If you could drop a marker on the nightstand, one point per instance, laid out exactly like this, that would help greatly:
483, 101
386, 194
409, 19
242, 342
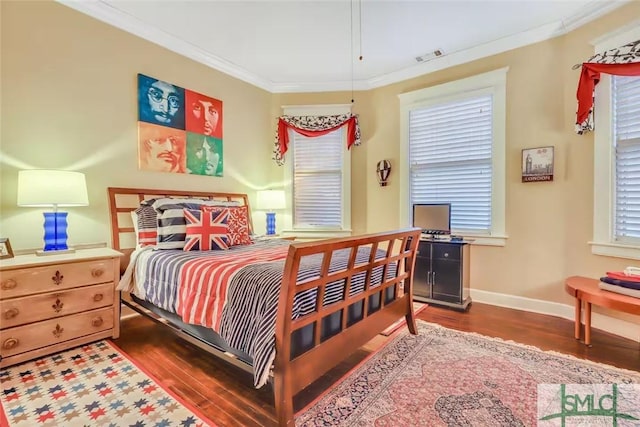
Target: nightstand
55, 302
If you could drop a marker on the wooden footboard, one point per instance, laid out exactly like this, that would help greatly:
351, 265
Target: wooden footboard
293, 373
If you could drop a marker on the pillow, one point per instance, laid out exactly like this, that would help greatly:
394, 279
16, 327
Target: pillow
206, 230
238, 224
146, 233
168, 217
169, 203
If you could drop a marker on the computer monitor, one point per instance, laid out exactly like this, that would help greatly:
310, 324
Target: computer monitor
433, 218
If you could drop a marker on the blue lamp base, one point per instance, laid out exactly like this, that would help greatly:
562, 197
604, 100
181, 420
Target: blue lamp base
271, 223
55, 233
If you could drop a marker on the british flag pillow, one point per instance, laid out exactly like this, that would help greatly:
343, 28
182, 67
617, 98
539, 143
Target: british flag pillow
206, 231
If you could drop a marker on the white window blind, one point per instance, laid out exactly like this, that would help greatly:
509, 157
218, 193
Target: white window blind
450, 155
317, 180
626, 135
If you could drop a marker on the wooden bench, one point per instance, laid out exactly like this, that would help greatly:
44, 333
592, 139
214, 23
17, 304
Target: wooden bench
586, 289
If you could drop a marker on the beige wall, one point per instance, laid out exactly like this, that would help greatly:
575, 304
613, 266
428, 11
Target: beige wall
68, 101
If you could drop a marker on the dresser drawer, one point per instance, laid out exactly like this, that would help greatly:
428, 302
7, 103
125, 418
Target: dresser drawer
32, 280
49, 332
18, 311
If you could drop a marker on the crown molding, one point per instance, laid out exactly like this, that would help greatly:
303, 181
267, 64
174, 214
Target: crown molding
117, 18
589, 13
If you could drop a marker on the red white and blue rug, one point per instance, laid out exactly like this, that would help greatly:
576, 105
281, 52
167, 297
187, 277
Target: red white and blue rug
92, 385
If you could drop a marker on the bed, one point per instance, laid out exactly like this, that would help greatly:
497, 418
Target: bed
316, 302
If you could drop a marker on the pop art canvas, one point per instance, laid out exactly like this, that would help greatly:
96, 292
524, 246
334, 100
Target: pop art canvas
179, 130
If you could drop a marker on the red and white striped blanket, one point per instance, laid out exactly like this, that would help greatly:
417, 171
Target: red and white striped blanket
204, 284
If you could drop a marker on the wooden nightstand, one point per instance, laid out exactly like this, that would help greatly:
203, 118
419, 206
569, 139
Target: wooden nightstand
55, 302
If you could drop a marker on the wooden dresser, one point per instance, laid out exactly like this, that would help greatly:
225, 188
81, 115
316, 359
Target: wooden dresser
55, 302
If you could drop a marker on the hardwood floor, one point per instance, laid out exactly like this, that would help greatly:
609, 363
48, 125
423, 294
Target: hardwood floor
225, 393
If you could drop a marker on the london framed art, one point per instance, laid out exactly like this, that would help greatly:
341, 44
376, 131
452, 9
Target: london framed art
537, 164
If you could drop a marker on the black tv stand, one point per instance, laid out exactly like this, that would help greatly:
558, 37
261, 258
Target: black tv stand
441, 275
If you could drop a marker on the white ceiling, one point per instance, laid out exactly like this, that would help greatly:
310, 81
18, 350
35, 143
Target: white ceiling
313, 45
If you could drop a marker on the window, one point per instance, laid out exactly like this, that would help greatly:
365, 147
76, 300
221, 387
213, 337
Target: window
626, 138
318, 176
453, 147
616, 216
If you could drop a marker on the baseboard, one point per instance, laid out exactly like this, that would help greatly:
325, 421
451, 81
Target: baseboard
609, 324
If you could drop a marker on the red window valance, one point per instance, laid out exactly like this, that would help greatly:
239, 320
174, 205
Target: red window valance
313, 126
622, 61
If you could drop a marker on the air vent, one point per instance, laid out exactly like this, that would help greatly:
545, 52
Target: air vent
429, 56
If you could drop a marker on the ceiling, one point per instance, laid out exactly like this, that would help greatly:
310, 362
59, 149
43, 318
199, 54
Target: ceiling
314, 45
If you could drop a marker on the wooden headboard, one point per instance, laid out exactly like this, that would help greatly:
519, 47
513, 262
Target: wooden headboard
124, 200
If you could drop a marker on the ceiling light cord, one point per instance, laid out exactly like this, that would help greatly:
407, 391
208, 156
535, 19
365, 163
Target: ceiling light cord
351, 52
351, 56
360, 27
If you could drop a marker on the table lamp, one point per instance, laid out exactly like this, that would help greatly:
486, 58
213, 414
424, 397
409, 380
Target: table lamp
270, 200
52, 188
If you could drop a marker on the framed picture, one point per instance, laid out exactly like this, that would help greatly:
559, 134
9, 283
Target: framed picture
179, 130
5, 249
537, 164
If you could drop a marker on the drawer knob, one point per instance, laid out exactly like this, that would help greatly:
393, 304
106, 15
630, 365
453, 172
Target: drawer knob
97, 272
97, 321
9, 284
11, 313
10, 343
58, 305
58, 331
57, 278
98, 297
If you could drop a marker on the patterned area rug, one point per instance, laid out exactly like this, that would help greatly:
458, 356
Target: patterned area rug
443, 377
417, 308
92, 385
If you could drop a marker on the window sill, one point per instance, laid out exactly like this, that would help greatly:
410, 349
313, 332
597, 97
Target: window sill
316, 234
486, 240
616, 250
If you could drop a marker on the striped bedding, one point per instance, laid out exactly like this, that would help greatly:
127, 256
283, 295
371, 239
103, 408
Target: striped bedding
234, 292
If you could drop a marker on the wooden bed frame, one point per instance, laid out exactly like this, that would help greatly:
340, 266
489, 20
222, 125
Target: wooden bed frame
292, 374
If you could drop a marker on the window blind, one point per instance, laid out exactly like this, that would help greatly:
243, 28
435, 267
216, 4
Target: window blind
450, 155
626, 133
317, 180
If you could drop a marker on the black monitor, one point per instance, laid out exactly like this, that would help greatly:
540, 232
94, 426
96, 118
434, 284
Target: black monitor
433, 218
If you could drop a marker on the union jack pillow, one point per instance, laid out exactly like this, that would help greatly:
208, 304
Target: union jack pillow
206, 231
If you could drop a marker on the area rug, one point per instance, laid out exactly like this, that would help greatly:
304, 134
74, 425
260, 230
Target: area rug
443, 377
417, 308
92, 385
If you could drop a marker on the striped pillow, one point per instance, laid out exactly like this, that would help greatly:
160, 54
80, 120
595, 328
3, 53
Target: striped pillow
206, 230
238, 224
170, 203
147, 224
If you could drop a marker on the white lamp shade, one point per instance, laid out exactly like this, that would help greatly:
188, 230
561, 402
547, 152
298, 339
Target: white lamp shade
270, 200
51, 188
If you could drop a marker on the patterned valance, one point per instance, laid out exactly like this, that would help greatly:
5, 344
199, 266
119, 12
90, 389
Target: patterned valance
312, 126
621, 61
